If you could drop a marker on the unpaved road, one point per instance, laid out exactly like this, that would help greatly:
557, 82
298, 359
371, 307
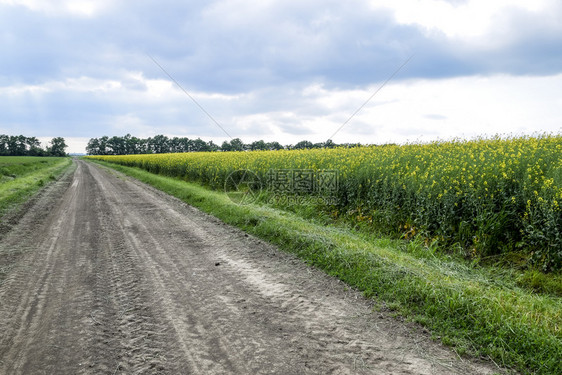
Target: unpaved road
104, 275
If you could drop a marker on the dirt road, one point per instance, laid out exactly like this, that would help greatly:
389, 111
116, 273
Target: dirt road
104, 275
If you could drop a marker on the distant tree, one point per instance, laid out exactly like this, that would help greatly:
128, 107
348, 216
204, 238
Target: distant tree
57, 147
199, 145
330, 144
351, 145
185, 145
12, 145
117, 146
212, 146
143, 146
159, 144
226, 146
131, 145
303, 145
178, 144
34, 147
4, 149
258, 145
237, 145
33, 142
135, 146
103, 145
162, 144
17, 145
274, 146
93, 147
20, 145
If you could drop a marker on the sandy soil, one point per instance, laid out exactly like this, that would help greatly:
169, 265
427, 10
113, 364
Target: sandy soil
104, 275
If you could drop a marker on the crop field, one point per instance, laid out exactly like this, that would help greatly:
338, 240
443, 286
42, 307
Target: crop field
20, 176
508, 314
127, 279
490, 197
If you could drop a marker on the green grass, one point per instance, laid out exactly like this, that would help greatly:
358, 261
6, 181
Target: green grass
476, 310
23, 176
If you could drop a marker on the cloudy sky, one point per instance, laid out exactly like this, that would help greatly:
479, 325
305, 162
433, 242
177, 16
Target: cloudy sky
280, 70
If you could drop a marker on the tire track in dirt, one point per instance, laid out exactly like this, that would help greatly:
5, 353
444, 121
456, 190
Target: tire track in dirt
124, 331
118, 278
45, 277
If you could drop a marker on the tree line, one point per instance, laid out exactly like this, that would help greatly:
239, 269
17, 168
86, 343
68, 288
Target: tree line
161, 144
20, 145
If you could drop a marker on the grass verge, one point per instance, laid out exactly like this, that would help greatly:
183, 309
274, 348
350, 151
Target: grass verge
471, 309
25, 179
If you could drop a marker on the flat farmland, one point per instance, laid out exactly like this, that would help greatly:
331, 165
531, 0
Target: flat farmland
106, 275
462, 237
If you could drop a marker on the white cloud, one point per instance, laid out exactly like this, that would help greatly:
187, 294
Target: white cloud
82, 8
467, 107
471, 19
415, 110
76, 85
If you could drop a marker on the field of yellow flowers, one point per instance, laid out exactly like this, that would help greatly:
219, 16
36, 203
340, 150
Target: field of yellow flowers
490, 197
